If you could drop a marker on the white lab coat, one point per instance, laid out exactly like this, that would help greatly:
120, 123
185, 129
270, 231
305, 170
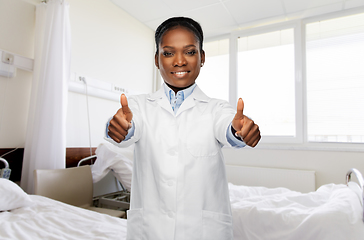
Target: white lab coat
179, 187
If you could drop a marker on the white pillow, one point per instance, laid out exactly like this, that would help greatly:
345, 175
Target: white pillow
12, 196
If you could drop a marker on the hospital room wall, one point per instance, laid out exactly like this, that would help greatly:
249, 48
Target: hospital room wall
107, 44
16, 36
113, 47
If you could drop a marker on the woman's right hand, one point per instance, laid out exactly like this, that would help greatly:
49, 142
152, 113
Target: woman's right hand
121, 121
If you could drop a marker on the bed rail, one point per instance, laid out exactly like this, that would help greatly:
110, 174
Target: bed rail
85, 159
95, 156
5, 162
360, 178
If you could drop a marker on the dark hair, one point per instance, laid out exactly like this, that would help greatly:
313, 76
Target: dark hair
175, 22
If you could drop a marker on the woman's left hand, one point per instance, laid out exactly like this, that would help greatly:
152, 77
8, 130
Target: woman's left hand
245, 128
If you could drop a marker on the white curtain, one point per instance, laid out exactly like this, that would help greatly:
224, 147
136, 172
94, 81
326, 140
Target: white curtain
45, 144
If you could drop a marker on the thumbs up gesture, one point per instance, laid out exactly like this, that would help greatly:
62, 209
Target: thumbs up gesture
245, 128
120, 123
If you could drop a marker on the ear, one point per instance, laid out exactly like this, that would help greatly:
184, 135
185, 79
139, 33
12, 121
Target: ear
202, 56
156, 61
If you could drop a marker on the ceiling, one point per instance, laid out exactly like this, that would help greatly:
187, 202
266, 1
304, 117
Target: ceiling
219, 17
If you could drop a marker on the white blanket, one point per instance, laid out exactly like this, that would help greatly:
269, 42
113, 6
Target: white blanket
49, 219
119, 160
333, 212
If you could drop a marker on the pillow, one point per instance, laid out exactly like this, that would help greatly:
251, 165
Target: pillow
12, 196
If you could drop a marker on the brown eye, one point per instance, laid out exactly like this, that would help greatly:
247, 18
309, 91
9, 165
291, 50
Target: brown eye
167, 54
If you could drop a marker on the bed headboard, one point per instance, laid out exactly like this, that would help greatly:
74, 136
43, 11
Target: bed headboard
296, 180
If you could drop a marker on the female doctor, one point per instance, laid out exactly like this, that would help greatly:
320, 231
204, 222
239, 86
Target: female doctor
179, 187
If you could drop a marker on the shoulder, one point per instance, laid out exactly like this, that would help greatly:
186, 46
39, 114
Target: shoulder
200, 96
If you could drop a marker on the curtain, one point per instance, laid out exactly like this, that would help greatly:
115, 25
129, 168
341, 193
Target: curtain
45, 143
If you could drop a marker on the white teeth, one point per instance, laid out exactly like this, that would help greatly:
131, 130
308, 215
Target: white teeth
180, 73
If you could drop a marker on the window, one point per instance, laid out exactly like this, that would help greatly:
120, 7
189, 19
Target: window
266, 80
335, 80
302, 81
214, 75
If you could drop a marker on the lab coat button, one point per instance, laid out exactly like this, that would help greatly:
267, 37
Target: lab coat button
170, 214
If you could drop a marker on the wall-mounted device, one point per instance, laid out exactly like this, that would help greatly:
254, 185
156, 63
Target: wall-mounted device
10, 62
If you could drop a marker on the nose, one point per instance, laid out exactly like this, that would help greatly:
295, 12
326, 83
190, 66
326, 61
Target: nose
179, 60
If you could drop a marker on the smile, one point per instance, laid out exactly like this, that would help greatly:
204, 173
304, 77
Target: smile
180, 74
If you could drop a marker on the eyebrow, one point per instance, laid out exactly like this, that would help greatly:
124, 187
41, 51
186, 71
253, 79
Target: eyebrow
191, 45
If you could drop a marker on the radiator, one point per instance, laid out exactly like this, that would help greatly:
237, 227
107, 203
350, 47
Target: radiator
296, 180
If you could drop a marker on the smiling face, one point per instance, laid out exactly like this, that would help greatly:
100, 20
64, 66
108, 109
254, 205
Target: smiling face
179, 58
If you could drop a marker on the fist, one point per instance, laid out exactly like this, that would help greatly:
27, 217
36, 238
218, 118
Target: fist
120, 123
245, 128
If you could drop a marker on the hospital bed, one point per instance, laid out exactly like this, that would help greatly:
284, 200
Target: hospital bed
119, 164
333, 211
24, 216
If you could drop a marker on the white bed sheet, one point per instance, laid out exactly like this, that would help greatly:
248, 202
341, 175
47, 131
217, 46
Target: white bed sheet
50, 219
331, 212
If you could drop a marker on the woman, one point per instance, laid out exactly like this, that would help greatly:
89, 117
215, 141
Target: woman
179, 186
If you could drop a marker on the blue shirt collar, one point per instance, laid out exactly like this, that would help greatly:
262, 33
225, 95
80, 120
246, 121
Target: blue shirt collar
183, 93
176, 99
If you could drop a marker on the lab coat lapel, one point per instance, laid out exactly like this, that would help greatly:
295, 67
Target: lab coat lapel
197, 98
161, 98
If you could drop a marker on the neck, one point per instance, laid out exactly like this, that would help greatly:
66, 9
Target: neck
176, 89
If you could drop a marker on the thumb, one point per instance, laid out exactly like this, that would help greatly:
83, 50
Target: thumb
126, 110
239, 110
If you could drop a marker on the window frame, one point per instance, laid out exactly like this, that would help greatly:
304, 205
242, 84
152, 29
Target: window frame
233, 88
338, 146
300, 141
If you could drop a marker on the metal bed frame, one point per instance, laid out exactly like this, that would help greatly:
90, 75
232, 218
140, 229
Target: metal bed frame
360, 179
119, 200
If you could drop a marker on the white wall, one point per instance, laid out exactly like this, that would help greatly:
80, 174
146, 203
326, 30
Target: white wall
107, 44
16, 36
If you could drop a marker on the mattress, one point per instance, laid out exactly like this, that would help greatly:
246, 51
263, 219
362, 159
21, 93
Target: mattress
49, 219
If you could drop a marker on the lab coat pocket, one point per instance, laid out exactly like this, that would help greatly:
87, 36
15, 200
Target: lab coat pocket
135, 224
216, 226
201, 141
